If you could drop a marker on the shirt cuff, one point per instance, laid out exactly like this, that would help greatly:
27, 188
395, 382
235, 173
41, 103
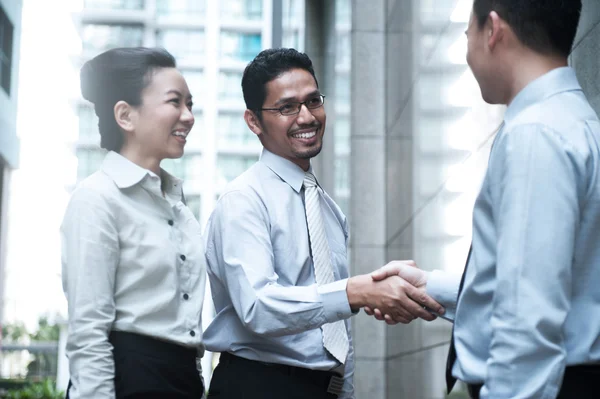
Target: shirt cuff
443, 287
335, 300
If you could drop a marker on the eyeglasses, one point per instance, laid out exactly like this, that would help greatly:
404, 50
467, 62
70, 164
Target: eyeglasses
293, 108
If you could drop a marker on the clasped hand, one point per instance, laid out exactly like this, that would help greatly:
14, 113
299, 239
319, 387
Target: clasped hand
401, 294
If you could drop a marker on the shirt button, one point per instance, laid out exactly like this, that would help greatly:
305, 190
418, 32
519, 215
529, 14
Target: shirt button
186, 296
170, 222
193, 333
182, 257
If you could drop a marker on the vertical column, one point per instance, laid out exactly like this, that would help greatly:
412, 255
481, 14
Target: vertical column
320, 41
382, 185
584, 56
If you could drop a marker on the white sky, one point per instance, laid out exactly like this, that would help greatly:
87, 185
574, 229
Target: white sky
48, 81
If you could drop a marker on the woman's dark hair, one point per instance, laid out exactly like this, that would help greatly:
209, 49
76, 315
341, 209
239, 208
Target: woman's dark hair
119, 74
268, 65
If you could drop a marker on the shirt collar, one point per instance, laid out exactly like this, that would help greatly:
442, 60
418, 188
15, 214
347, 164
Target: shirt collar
556, 81
288, 171
127, 174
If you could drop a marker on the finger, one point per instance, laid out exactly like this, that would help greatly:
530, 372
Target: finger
414, 306
368, 311
391, 322
411, 263
378, 314
403, 320
384, 272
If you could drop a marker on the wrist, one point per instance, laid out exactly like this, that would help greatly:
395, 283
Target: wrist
357, 290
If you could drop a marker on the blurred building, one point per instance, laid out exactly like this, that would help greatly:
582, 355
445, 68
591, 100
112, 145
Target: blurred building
10, 34
212, 42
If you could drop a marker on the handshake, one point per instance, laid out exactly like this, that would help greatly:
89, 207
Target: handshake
395, 293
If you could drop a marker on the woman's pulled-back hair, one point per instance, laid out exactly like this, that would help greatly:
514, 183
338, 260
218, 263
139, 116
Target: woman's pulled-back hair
119, 74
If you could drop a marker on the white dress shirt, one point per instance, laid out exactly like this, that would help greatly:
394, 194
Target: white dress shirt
530, 304
268, 306
132, 260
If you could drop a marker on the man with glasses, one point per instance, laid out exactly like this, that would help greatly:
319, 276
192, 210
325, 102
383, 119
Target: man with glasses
276, 254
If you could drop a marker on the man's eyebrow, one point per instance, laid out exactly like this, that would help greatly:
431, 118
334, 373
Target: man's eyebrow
294, 99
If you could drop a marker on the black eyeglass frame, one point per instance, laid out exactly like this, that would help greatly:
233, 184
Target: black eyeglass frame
299, 104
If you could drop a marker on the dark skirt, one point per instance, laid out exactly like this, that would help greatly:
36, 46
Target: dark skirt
149, 368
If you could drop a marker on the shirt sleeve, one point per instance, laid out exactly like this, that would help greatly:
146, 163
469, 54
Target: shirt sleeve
90, 254
240, 255
534, 190
443, 287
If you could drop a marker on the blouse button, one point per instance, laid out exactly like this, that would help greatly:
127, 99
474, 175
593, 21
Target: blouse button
193, 333
186, 296
170, 222
182, 257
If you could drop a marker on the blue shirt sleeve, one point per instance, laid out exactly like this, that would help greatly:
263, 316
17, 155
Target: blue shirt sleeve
239, 253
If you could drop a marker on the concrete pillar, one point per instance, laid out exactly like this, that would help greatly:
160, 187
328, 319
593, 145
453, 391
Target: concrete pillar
382, 185
320, 43
584, 57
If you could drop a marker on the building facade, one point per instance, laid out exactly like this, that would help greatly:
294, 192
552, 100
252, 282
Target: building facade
10, 34
212, 43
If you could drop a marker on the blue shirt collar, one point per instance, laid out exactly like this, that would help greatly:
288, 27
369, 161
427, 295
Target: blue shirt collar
127, 174
556, 81
288, 171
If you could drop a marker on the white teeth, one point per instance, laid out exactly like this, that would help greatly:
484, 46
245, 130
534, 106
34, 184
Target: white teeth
305, 135
180, 134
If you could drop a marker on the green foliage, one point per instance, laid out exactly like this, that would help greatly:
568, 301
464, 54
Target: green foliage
46, 331
41, 390
14, 332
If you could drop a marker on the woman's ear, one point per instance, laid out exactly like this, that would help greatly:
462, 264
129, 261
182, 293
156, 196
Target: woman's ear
124, 116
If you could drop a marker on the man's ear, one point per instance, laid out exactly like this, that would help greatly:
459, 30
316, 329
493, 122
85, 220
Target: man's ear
253, 122
124, 116
495, 30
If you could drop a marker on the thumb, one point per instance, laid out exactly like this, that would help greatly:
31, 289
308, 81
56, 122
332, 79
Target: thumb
385, 272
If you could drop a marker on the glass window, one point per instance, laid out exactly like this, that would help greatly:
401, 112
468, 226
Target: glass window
99, 38
342, 177
187, 168
6, 45
115, 4
89, 161
240, 46
242, 9
342, 56
230, 85
182, 43
231, 166
180, 7
88, 124
342, 134
195, 81
233, 131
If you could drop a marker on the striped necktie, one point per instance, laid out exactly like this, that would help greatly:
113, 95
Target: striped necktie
335, 336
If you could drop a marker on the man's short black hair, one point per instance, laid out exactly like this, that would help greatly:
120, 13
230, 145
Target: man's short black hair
545, 26
267, 66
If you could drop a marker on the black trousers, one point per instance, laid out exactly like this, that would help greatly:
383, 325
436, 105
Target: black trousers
579, 382
147, 368
239, 378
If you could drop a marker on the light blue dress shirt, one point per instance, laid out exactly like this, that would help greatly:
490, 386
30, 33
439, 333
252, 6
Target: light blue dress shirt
268, 306
530, 305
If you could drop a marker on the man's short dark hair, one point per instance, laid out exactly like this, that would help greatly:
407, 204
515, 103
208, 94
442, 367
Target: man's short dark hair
267, 66
545, 26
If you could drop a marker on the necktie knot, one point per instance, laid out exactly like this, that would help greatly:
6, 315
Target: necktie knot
309, 180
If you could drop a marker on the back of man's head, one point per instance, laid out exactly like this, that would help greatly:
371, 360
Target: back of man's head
267, 66
547, 27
